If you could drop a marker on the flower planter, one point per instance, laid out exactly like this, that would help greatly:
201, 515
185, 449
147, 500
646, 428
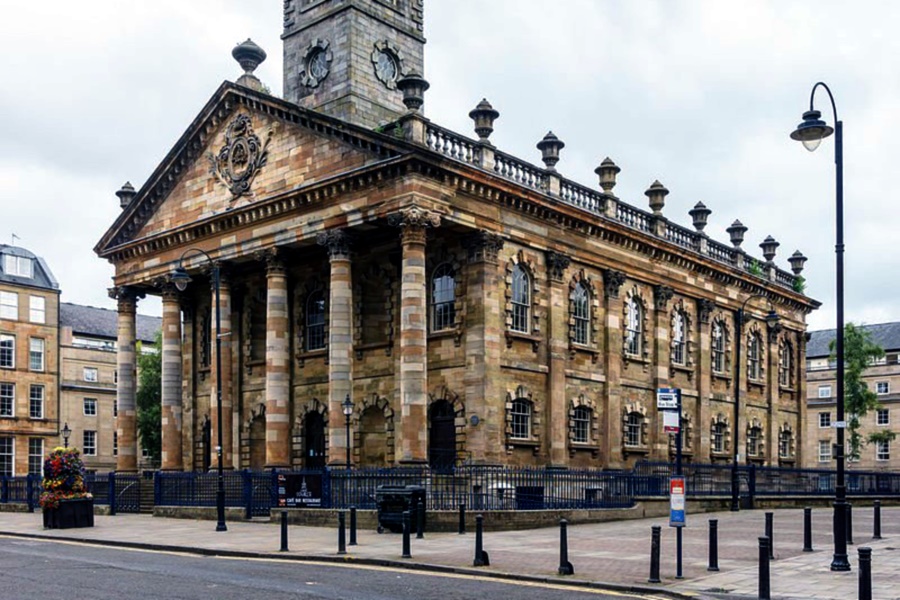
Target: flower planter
70, 514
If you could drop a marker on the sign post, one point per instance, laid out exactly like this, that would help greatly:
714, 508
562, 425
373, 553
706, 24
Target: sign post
668, 402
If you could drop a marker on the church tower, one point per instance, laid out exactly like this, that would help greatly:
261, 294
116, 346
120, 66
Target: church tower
344, 57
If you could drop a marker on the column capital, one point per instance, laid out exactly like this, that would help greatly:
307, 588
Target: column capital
337, 242
705, 307
661, 296
557, 264
126, 296
484, 246
274, 259
414, 222
612, 281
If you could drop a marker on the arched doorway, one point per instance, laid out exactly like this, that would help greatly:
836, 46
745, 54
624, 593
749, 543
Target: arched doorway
257, 442
314, 441
442, 435
372, 438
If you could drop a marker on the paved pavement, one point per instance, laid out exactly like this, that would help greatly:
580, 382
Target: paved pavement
614, 553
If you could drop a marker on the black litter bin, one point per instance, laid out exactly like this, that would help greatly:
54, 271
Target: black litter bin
391, 502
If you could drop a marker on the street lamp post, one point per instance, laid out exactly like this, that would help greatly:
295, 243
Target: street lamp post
772, 319
347, 407
66, 432
181, 279
811, 132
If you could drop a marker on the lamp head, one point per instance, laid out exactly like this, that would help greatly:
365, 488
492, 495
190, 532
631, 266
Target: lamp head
180, 278
812, 130
772, 318
347, 406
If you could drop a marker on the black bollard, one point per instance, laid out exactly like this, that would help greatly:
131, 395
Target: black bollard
764, 592
654, 553
342, 533
420, 520
865, 573
565, 567
849, 513
481, 555
807, 529
713, 545
877, 523
406, 525
462, 519
284, 541
769, 534
352, 525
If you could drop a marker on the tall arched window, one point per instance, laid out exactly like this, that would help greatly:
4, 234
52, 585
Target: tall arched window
785, 442
521, 300
784, 365
581, 313
633, 333
520, 419
754, 344
718, 437
633, 425
443, 298
678, 337
581, 424
315, 321
718, 347
754, 437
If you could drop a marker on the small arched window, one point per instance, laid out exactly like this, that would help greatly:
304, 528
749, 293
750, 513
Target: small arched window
581, 313
521, 300
718, 437
581, 424
443, 298
633, 425
633, 332
754, 437
754, 368
520, 419
678, 336
784, 365
315, 321
718, 347
785, 441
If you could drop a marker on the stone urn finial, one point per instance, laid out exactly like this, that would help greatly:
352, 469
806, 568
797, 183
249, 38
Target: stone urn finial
797, 261
550, 147
413, 87
126, 194
657, 193
700, 215
607, 172
737, 231
249, 56
484, 116
769, 246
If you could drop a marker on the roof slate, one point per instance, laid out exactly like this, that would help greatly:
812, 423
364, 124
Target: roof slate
103, 322
886, 335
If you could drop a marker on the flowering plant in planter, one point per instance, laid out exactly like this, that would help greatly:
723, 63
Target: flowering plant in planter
63, 478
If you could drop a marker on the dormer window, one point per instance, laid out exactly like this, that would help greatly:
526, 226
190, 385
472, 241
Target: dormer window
20, 266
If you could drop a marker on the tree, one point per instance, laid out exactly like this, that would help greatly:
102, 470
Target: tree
859, 352
149, 399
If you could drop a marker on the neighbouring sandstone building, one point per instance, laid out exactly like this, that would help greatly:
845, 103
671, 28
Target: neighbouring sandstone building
469, 306
883, 378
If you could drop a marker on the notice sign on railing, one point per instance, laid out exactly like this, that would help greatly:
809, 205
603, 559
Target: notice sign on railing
299, 490
676, 502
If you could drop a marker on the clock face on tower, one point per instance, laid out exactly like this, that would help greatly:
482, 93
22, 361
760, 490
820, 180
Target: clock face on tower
316, 63
387, 63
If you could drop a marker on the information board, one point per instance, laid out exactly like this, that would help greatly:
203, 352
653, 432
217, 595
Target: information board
299, 490
676, 502
667, 399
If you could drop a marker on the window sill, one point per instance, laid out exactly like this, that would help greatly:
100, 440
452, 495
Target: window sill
363, 348
575, 348
722, 376
787, 388
575, 447
761, 383
635, 450
454, 333
313, 353
528, 337
535, 445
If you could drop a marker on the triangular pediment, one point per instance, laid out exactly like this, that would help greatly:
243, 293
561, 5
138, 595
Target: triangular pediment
243, 147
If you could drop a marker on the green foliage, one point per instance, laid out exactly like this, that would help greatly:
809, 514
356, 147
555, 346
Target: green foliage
799, 284
859, 352
754, 268
149, 400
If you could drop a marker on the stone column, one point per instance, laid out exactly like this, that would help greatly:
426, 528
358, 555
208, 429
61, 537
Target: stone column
558, 421
224, 378
484, 346
188, 385
662, 351
413, 434
278, 414
171, 403
340, 340
126, 359
704, 381
612, 451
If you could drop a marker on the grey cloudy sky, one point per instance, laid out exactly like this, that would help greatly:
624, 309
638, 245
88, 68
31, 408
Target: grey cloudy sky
698, 94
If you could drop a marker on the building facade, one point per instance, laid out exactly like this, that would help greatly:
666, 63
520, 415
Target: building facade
883, 378
29, 361
470, 306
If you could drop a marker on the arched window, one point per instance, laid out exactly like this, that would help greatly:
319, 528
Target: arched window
678, 336
633, 425
633, 335
443, 298
718, 347
754, 437
521, 300
315, 321
754, 370
784, 365
582, 314
785, 441
520, 419
718, 437
581, 424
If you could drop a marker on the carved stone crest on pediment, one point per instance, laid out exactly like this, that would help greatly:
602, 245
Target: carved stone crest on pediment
242, 156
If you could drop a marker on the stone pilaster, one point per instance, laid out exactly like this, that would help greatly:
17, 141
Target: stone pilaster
800, 426
278, 414
662, 294
613, 349
557, 423
704, 381
126, 359
222, 336
484, 332
772, 425
172, 364
340, 340
414, 222
739, 424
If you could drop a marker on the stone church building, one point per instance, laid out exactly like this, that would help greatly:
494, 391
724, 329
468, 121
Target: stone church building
472, 306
